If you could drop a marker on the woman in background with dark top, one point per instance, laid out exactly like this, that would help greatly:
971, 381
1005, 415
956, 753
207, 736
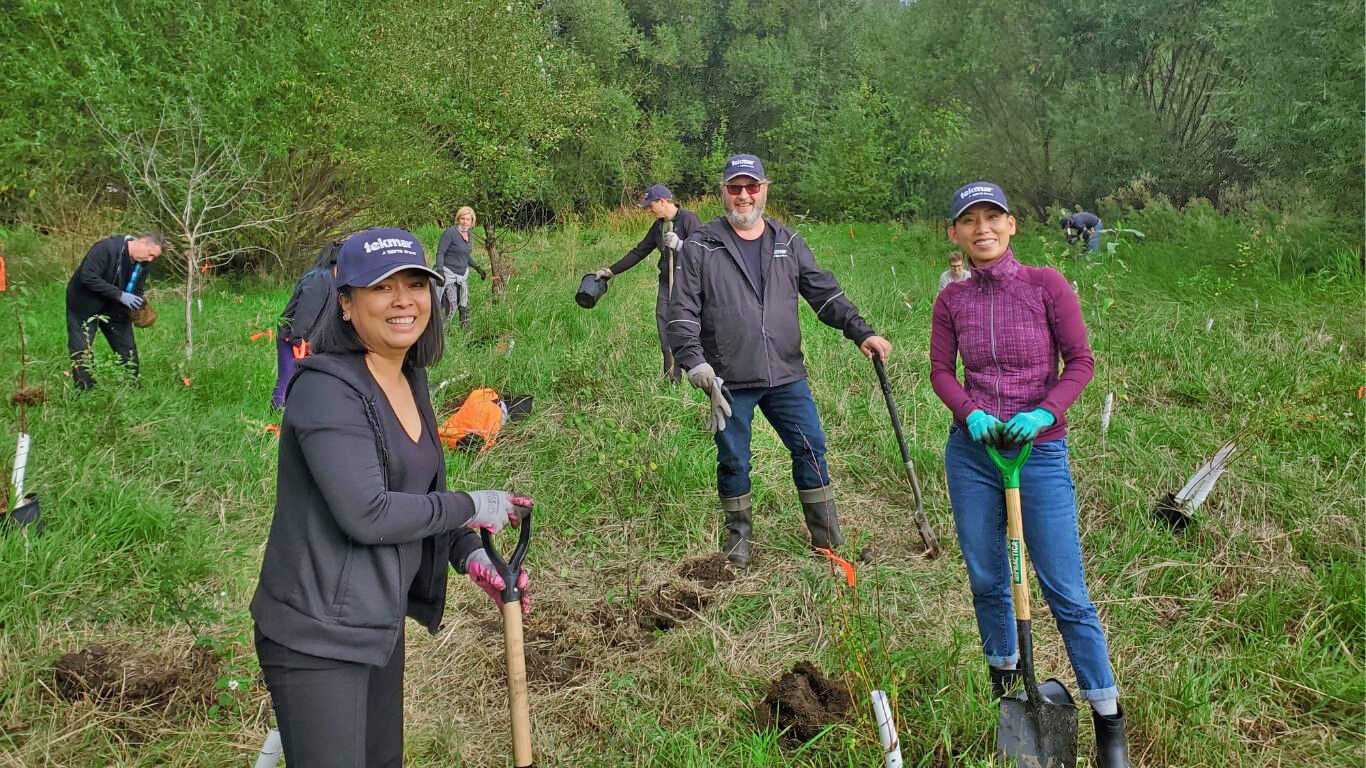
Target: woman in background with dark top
364, 526
453, 263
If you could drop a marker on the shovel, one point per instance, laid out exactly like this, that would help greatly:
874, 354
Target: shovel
512, 640
926, 532
1037, 727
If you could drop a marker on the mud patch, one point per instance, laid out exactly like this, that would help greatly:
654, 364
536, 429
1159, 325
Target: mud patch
711, 571
801, 704
107, 674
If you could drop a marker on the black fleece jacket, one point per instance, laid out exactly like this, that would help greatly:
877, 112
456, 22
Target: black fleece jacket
95, 287
330, 580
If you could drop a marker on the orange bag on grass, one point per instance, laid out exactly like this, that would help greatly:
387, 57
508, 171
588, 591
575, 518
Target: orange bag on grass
479, 417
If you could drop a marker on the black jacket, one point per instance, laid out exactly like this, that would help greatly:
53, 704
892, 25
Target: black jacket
306, 305
684, 223
95, 287
329, 582
718, 316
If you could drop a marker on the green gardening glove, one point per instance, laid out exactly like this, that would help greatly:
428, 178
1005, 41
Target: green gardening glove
1027, 425
983, 427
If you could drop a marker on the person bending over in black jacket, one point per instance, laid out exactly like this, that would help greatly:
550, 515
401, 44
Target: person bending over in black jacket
671, 227
364, 526
301, 316
106, 287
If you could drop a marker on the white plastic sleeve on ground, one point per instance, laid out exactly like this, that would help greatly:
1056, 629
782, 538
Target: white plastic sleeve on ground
270, 753
886, 731
20, 464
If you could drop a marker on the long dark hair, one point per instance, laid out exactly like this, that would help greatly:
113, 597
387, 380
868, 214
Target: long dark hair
335, 335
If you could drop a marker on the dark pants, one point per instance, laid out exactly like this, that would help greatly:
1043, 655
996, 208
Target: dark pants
335, 714
80, 334
671, 368
792, 412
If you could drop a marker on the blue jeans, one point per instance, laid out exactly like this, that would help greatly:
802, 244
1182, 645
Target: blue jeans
1093, 238
792, 412
1049, 513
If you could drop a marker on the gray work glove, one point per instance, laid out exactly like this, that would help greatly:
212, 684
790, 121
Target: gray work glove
495, 509
720, 406
130, 300
702, 376
672, 240
604, 273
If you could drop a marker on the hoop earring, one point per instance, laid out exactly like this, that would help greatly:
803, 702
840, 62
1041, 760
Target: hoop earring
346, 316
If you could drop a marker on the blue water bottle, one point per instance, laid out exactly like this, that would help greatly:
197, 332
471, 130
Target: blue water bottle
133, 279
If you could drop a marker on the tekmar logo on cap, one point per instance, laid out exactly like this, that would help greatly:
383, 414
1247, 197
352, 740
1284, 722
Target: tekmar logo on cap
743, 165
977, 192
657, 192
370, 256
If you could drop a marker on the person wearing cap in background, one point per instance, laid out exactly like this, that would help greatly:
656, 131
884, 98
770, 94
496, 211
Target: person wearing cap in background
734, 328
671, 227
103, 292
301, 316
454, 262
364, 527
1011, 325
1082, 225
956, 273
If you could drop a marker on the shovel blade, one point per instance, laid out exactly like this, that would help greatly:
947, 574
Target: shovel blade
1038, 734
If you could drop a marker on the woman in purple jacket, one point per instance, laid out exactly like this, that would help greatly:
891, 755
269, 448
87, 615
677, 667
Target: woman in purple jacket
1011, 324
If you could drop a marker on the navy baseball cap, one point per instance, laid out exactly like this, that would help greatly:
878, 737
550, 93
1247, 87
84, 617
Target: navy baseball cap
370, 256
743, 165
657, 192
974, 193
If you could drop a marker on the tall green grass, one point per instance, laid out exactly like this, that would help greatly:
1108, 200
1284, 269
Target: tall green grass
1237, 643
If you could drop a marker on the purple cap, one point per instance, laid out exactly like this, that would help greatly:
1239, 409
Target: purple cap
974, 193
657, 192
743, 165
370, 256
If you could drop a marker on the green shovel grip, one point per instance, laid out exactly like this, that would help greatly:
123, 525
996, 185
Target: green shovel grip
1010, 470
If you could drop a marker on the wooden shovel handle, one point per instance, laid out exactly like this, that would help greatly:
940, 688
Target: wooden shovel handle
518, 707
1015, 551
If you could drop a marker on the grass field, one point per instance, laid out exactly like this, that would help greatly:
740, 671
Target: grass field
1237, 643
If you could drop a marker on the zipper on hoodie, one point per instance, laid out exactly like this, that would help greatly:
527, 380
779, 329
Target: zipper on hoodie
991, 324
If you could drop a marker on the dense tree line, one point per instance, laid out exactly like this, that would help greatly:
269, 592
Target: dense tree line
531, 110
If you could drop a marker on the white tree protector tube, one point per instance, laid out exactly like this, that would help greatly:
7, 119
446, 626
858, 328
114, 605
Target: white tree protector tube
20, 464
886, 731
270, 751
1193, 493
1106, 412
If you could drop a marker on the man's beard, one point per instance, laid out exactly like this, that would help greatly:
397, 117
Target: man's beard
745, 221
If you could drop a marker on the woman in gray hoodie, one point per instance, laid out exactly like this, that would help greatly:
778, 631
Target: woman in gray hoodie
364, 527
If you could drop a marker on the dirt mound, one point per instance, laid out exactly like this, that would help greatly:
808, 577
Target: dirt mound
710, 571
105, 674
802, 703
549, 656
669, 606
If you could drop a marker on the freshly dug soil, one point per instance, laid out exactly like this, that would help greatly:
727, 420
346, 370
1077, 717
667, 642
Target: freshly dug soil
802, 703
105, 674
710, 571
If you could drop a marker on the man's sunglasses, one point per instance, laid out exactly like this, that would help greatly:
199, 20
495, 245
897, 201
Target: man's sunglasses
734, 189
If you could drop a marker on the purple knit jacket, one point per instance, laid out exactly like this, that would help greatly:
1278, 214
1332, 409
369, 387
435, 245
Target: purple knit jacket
1010, 323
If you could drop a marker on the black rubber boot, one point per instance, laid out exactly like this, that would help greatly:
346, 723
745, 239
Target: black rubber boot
464, 317
1112, 749
738, 529
1003, 681
818, 507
